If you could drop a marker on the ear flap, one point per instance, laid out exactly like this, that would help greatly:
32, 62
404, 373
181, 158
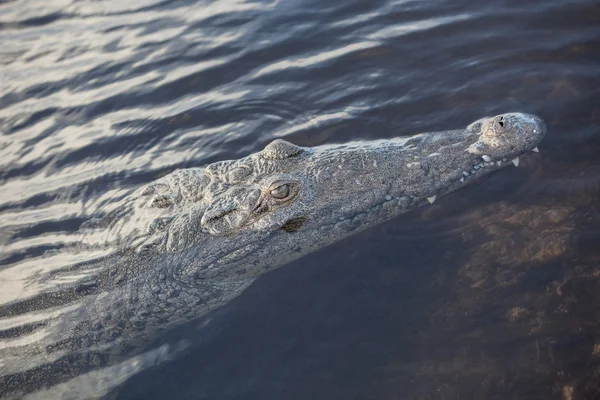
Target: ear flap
222, 217
218, 209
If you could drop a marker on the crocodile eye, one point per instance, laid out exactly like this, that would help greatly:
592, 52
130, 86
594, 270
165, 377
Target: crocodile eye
281, 192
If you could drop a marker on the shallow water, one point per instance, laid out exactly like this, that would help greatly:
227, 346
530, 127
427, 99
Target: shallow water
493, 292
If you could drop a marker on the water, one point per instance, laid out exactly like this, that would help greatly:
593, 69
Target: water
490, 293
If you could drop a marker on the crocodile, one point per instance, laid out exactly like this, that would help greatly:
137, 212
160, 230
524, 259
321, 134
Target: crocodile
194, 239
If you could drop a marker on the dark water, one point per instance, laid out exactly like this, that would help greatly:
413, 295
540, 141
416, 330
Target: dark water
493, 292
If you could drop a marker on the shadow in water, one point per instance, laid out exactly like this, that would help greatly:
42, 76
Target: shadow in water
496, 308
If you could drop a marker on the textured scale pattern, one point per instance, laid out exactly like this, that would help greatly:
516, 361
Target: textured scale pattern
216, 199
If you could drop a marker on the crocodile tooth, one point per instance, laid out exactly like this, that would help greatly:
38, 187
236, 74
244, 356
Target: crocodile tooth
516, 162
536, 150
431, 199
486, 158
462, 179
465, 173
499, 163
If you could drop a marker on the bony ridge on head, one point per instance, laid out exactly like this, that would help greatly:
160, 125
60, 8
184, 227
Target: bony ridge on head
280, 149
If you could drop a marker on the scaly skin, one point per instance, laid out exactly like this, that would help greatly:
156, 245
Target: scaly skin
195, 239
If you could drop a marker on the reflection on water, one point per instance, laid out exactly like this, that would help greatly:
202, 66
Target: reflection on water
490, 293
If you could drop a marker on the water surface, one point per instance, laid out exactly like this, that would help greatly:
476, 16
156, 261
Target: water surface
493, 292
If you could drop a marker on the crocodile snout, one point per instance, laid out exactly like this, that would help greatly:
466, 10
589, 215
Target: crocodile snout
507, 135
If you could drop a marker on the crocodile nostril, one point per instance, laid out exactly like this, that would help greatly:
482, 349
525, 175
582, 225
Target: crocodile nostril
501, 122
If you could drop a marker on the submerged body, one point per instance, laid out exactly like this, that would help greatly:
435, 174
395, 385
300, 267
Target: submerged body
195, 239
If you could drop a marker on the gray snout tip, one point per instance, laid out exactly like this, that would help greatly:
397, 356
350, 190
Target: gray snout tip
539, 125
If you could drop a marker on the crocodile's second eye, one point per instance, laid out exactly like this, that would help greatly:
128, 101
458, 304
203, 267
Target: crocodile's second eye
281, 192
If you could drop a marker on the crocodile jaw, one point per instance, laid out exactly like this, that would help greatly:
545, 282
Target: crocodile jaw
397, 175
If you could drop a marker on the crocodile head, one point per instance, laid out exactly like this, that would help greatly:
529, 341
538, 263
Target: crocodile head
273, 206
507, 135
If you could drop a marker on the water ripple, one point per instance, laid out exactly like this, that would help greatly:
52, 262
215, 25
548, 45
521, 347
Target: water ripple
100, 97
